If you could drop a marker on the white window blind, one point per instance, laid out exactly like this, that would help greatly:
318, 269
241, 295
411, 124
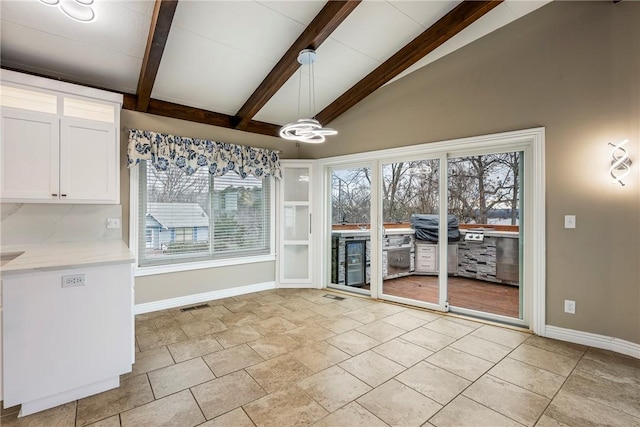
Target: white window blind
193, 218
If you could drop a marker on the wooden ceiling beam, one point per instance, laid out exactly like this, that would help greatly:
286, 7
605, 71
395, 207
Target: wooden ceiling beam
163, 13
448, 26
198, 115
327, 20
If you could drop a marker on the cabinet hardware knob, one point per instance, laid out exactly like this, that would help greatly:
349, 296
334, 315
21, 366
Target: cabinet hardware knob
63, 195
54, 194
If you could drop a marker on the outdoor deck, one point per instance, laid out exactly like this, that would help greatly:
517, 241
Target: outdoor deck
466, 293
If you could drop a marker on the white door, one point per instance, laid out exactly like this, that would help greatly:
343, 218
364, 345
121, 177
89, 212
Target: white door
29, 153
295, 267
88, 161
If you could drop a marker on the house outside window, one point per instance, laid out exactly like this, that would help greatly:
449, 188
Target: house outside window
186, 218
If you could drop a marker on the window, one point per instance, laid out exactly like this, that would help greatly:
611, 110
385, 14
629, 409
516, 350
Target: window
199, 217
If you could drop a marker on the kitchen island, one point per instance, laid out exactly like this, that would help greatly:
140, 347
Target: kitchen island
67, 321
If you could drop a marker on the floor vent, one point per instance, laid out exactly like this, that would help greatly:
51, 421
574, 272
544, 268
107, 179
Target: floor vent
336, 297
194, 307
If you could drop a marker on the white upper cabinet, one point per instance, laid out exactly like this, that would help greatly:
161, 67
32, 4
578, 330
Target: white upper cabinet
60, 143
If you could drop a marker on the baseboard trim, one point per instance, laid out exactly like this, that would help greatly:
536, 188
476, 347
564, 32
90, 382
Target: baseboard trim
198, 298
594, 340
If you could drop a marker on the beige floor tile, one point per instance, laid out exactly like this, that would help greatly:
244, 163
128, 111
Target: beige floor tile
481, 348
145, 326
547, 421
575, 410
270, 310
309, 333
203, 327
226, 393
333, 388
506, 337
568, 349
244, 306
196, 347
236, 336
303, 317
277, 373
353, 342
623, 397
331, 310
232, 359
60, 416
372, 368
365, 315
151, 315
527, 376
318, 297
319, 356
132, 393
235, 418
352, 415
450, 328
295, 409
460, 363
178, 377
107, 422
471, 323
176, 319
427, 316
613, 366
339, 324
179, 409
274, 345
150, 360
464, 412
160, 338
402, 352
553, 362
431, 340
381, 331
273, 325
435, 383
405, 320
213, 312
355, 303
242, 318
508, 399
298, 303
398, 405
270, 298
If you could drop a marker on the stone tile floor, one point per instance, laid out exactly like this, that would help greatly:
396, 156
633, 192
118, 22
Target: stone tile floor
291, 357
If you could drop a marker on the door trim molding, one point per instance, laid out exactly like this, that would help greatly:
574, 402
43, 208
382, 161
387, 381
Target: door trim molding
529, 140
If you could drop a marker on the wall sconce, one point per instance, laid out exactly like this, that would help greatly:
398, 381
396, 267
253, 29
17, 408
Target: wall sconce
620, 162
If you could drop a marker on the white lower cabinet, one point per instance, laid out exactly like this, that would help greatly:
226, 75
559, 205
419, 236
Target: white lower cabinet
64, 340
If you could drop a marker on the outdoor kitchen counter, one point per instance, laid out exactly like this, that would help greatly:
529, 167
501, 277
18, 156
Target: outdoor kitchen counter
367, 232
30, 258
492, 233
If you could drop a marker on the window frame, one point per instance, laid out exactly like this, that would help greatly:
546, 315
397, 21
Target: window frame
174, 267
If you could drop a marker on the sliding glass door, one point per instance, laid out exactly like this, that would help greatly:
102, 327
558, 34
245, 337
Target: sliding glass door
350, 228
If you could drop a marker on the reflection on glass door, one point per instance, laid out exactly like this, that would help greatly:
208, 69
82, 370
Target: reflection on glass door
351, 229
410, 211
485, 193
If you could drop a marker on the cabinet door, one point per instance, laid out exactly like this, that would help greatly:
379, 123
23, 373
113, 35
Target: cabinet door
295, 224
29, 152
88, 162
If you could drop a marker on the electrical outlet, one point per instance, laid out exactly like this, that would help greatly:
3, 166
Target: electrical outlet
113, 222
569, 221
71, 280
569, 306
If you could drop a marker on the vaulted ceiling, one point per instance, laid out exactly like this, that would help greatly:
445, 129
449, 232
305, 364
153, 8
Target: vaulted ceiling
234, 63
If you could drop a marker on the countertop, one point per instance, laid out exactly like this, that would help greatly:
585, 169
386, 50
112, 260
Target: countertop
494, 233
64, 255
367, 232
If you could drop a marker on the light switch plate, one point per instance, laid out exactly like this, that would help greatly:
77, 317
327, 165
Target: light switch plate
569, 306
569, 221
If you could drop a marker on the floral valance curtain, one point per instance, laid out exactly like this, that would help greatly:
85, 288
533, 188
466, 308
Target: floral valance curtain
189, 154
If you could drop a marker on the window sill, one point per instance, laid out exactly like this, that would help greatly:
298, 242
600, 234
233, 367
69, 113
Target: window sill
190, 266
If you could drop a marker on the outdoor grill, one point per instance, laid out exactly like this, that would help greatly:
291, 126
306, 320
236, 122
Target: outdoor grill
426, 226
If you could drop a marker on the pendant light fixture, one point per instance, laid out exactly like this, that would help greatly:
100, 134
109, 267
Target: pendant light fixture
309, 129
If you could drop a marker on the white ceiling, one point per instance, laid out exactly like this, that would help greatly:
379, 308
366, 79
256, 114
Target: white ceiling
218, 52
